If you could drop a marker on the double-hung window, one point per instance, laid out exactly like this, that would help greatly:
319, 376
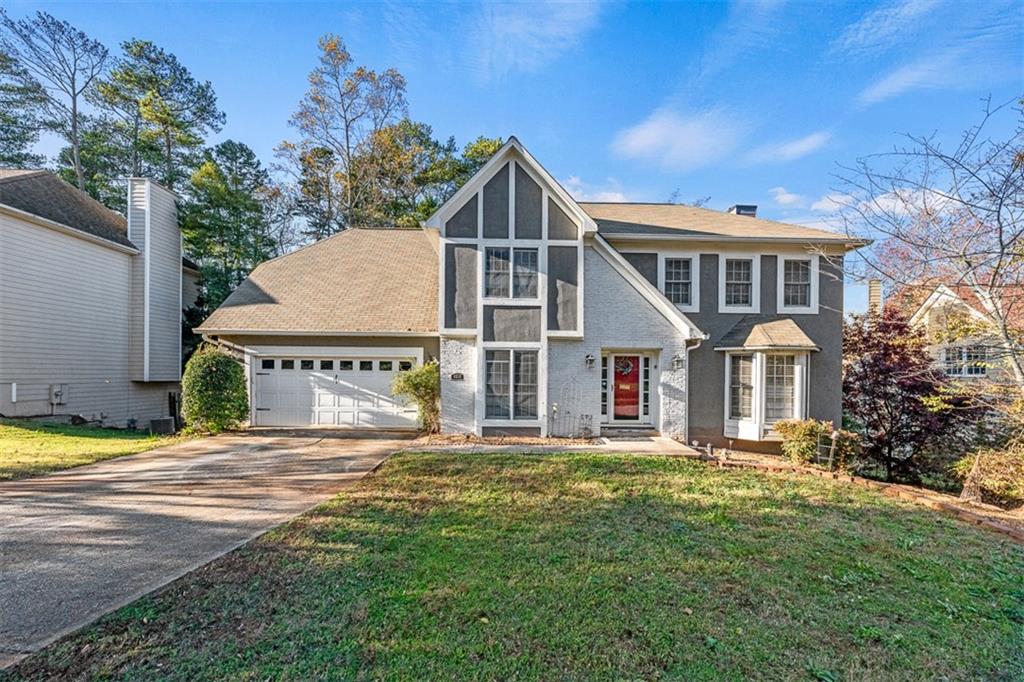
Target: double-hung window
797, 284
511, 384
739, 288
966, 361
741, 387
510, 273
679, 280
779, 387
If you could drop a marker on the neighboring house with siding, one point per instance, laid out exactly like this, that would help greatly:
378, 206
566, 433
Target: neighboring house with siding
550, 316
90, 303
959, 331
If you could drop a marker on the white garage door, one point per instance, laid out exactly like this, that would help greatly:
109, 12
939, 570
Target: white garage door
336, 391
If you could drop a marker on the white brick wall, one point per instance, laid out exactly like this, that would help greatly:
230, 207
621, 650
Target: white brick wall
616, 316
458, 399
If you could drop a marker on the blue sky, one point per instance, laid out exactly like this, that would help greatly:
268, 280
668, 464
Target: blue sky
745, 102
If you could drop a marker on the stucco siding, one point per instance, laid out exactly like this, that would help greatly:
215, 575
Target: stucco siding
707, 366
64, 319
458, 395
616, 317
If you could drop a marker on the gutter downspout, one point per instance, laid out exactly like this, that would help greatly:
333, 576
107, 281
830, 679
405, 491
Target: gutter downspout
691, 344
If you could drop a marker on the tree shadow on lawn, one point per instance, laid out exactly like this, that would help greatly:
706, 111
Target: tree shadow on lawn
581, 566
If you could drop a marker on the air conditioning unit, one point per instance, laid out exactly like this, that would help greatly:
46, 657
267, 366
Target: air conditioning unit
58, 394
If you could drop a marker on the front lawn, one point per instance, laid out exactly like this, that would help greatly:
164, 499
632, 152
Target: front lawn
497, 567
29, 448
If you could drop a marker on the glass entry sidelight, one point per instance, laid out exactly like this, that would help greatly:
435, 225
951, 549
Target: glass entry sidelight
626, 389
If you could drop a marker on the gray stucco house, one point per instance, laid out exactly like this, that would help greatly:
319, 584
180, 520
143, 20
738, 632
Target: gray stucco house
90, 302
551, 317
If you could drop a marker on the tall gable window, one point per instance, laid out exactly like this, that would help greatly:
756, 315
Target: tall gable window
496, 274
966, 361
510, 273
798, 284
511, 384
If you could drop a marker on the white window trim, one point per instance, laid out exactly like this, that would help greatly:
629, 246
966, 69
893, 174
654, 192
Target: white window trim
811, 309
757, 428
694, 305
961, 361
512, 247
755, 285
650, 401
483, 420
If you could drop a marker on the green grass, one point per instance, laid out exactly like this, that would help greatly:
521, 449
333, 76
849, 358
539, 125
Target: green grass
498, 567
33, 448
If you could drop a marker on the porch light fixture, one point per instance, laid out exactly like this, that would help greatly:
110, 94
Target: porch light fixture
589, 361
678, 361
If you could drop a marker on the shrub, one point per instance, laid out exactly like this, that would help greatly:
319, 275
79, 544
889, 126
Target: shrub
422, 385
801, 438
214, 395
998, 476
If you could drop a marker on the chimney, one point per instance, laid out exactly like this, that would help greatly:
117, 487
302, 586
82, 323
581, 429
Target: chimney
874, 295
749, 210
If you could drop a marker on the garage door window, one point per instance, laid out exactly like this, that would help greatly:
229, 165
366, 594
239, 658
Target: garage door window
366, 365
287, 364
266, 364
327, 364
305, 364
345, 365
404, 365
385, 366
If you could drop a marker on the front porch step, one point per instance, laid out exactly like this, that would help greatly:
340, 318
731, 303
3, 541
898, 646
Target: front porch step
622, 433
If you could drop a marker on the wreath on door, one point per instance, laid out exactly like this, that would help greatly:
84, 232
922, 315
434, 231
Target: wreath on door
624, 366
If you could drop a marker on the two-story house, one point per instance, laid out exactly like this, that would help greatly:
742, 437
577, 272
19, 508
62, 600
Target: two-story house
550, 316
90, 302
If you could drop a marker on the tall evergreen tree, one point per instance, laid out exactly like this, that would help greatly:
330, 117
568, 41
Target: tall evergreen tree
66, 62
225, 224
21, 100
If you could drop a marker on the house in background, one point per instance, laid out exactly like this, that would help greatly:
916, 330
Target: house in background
90, 303
953, 317
550, 316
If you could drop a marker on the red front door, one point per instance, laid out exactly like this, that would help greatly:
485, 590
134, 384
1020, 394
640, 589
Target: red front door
626, 394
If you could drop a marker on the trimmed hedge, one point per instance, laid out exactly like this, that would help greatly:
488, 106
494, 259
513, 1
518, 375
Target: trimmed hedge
422, 385
800, 438
214, 395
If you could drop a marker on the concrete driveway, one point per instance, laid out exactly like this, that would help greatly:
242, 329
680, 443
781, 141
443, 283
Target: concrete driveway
77, 544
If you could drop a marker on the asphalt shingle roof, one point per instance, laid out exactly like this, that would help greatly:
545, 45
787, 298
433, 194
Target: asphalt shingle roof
42, 193
759, 331
359, 281
690, 221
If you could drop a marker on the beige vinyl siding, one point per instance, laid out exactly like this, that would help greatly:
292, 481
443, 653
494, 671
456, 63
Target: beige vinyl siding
164, 288
137, 235
64, 319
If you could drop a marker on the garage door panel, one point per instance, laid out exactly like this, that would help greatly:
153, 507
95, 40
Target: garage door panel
351, 392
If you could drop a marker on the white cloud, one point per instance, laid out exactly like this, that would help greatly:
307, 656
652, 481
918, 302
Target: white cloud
930, 72
883, 27
783, 197
506, 37
750, 25
831, 202
585, 191
790, 150
679, 142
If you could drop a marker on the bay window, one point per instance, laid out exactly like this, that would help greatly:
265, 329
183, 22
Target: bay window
762, 388
510, 273
511, 384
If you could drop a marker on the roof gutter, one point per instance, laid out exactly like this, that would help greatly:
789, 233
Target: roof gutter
635, 237
205, 331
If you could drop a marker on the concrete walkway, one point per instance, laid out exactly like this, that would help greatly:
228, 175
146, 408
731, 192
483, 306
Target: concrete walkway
77, 544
